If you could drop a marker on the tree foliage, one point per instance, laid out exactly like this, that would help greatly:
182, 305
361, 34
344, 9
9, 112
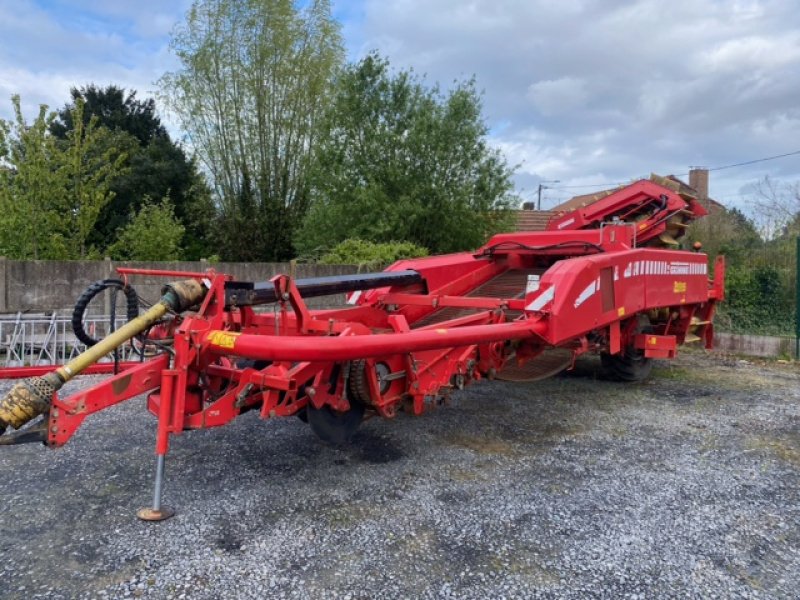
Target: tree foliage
157, 166
729, 232
154, 233
52, 193
370, 254
761, 270
26, 206
254, 77
399, 161
114, 109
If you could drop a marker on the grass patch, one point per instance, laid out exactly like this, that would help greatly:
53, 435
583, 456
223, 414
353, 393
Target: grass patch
786, 447
481, 444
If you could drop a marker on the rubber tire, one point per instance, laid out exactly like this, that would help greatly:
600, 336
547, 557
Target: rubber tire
333, 427
629, 365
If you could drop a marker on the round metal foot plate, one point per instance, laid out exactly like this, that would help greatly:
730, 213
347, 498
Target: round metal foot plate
148, 514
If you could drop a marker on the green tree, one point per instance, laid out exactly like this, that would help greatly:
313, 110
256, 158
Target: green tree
52, 193
158, 166
154, 233
254, 78
91, 159
115, 110
725, 231
370, 254
399, 161
25, 180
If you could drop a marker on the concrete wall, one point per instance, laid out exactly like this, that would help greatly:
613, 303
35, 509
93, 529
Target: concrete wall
755, 345
40, 285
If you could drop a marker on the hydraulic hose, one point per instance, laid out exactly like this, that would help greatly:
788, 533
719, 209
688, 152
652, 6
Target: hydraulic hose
132, 300
31, 397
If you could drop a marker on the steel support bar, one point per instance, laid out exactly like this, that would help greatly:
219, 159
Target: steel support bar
95, 369
350, 347
452, 301
242, 293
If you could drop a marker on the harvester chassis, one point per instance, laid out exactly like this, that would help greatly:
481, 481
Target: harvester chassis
525, 305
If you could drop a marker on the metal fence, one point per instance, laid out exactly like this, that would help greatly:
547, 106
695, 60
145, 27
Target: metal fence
47, 338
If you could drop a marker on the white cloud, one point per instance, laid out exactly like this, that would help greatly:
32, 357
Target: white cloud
753, 52
559, 96
44, 54
617, 88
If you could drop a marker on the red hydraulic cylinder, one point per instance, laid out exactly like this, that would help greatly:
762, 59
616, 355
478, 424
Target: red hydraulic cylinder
350, 347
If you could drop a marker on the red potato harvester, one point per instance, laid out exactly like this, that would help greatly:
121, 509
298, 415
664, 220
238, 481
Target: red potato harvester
605, 279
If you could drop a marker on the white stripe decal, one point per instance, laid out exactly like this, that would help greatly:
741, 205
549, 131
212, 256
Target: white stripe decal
542, 299
587, 293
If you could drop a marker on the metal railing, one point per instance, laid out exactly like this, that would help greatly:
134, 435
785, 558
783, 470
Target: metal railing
37, 339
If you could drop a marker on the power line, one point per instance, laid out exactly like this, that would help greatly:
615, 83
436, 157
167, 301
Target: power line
757, 160
616, 183
588, 185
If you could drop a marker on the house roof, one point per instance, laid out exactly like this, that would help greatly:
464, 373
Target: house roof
533, 220
577, 202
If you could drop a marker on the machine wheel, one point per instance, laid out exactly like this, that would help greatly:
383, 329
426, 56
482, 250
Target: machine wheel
358, 386
332, 426
629, 365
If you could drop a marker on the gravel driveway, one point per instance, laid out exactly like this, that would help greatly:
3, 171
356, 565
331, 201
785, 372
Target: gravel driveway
685, 486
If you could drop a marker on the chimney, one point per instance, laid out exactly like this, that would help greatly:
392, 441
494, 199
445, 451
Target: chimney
698, 179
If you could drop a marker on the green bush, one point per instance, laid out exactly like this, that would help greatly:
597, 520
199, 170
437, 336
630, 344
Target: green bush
363, 253
759, 300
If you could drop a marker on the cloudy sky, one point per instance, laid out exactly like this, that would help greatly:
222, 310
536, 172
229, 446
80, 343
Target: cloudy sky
587, 92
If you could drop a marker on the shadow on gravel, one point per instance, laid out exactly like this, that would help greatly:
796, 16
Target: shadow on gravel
371, 448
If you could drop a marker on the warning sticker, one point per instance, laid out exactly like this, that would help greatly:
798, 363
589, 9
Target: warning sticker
223, 339
679, 287
532, 285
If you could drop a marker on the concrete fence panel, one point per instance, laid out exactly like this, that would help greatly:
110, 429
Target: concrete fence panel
44, 285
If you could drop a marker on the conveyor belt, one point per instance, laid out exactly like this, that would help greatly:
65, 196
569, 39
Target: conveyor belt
509, 284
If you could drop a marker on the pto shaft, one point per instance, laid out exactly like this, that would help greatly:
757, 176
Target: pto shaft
31, 397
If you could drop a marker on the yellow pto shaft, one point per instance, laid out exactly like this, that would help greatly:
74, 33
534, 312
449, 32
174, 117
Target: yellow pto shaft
31, 397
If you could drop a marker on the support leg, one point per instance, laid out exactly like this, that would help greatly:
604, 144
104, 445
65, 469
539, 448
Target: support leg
157, 512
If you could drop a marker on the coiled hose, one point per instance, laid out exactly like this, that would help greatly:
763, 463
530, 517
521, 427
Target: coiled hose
89, 294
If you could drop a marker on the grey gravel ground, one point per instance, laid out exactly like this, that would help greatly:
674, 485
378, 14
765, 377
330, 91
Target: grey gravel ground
686, 487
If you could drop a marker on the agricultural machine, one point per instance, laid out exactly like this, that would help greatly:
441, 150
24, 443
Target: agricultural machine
608, 278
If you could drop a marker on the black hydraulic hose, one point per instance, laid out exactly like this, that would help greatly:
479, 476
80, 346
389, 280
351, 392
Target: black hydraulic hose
112, 322
93, 290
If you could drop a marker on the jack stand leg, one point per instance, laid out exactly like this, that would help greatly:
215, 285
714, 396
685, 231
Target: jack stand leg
157, 512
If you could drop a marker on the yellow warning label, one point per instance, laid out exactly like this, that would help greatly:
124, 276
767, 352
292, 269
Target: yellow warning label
643, 225
653, 341
679, 287
621, 311
223, 339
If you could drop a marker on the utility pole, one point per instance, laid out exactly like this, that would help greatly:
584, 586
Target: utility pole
539, 193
